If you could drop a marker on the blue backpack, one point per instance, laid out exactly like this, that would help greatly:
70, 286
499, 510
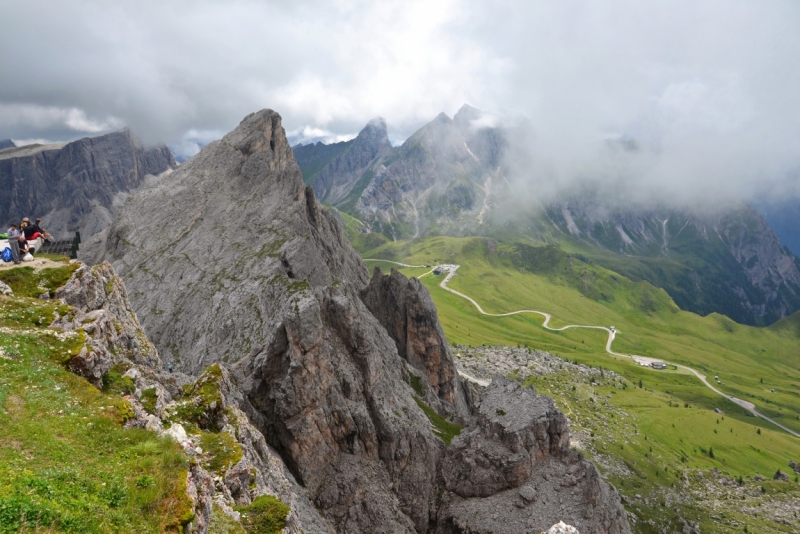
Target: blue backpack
6, 254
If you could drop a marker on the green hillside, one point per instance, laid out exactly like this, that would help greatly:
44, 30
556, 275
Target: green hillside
790, 326
761, 365
66, 463
508, 277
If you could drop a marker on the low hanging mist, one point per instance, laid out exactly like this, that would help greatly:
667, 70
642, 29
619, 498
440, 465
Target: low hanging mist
691, 103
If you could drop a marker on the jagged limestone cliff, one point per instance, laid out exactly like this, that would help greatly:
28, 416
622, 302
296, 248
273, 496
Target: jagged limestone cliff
77, 186
727, 261
258, 278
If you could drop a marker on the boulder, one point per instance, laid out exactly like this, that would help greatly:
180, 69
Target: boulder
781, 477
562, 528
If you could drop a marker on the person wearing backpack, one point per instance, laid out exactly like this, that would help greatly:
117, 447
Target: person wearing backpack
13, 243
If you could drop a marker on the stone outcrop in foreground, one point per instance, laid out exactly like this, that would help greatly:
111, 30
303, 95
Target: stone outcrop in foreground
101, 310
348, 380
513, 471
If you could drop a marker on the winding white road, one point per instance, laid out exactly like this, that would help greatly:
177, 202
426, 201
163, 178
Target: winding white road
451, 271
397, 263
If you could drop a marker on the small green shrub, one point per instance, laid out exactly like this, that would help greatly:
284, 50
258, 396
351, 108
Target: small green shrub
222, 449
114, 382
145, 481
265, 515
149, 400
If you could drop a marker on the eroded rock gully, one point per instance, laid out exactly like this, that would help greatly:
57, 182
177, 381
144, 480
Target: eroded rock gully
331, 369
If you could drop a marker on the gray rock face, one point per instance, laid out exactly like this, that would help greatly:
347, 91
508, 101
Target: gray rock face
102, 310
488, 143
432, 178
730, 262
514, 429
256, 275
211, 253
442, 176
313, 157
7, 143
405, 308
76, 186
331, 393
339, 178
512, 471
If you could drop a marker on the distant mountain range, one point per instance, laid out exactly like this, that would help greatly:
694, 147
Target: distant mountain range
7, 143
77, 186
438, 181
448, 178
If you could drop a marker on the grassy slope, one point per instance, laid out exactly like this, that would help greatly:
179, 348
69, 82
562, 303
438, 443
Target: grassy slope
649, 323
65, 461
690, 254
662, 444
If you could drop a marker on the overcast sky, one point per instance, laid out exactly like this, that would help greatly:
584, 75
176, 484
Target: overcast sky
706, 92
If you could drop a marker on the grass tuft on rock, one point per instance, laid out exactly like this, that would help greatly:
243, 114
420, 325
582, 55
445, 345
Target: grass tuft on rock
222, 451
149, 400
265, 515
114, 382
27, 282
441, 426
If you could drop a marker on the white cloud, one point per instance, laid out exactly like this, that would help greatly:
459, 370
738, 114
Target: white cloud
311, 134
706, 88
51, 117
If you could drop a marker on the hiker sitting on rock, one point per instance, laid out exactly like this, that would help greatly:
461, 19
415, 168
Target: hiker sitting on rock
32, 231
13, 242
24, 248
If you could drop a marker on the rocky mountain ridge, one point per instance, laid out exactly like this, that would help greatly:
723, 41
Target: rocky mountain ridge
336, 371
78, 186
449, 178
729, 261
442, 177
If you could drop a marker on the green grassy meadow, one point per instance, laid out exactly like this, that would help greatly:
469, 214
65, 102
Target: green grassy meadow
66, 463
751, 362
